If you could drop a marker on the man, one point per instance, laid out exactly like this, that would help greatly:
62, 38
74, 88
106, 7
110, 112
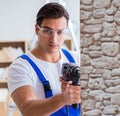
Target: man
27, 76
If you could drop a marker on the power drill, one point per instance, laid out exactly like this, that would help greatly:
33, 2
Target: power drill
71, 72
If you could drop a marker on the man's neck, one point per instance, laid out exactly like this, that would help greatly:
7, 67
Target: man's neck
46, 56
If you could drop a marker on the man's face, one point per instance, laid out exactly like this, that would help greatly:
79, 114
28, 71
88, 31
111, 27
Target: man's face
51, 34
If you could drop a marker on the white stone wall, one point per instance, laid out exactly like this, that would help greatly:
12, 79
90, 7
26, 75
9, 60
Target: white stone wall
100, 57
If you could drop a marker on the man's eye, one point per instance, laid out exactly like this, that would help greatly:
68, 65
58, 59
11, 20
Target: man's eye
47, 31
60, 32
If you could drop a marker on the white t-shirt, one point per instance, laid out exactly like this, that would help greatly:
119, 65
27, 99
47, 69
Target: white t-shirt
21, 73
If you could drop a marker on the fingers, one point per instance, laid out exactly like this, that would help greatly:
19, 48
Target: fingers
64, 85
72, 93
62, 80
75, 94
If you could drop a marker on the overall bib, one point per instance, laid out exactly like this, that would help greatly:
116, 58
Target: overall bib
66, 110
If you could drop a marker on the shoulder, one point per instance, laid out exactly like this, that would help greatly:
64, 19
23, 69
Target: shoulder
19, 74
75, 55
72, 52
19, 66
19, 62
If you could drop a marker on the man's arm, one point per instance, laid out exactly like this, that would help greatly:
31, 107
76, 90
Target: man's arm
29, 105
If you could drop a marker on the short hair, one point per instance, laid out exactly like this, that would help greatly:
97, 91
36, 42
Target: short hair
51, 10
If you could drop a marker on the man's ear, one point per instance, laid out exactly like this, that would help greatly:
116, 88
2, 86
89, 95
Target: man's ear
36, 29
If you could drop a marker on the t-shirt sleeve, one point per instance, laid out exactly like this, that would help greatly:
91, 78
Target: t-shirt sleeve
18, 75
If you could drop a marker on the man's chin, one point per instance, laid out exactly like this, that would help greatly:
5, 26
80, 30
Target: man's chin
53, 50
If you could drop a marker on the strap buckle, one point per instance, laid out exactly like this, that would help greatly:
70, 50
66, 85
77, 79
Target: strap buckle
46, 86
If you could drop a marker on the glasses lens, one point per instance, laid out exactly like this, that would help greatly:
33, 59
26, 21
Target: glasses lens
50, 33
62, 32
47, 32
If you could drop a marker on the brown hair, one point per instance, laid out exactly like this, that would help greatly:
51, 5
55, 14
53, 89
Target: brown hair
51, 10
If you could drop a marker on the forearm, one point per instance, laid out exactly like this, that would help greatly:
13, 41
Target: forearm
43, 107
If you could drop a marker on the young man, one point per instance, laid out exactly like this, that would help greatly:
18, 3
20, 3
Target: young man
26, 83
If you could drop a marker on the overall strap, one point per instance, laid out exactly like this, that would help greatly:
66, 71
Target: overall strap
68, 55
46, 85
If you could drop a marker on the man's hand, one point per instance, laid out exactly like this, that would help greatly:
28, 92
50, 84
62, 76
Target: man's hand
72, 93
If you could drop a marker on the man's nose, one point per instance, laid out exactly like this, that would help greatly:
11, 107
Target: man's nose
54, 37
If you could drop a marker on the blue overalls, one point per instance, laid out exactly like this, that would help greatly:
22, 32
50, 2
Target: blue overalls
66, 110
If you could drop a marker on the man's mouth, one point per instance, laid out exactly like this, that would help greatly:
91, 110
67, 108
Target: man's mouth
53, 45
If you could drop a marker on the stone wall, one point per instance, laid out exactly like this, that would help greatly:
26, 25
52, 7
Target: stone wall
100, 57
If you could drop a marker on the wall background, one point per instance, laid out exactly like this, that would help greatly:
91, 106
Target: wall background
17, 17
100, 53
